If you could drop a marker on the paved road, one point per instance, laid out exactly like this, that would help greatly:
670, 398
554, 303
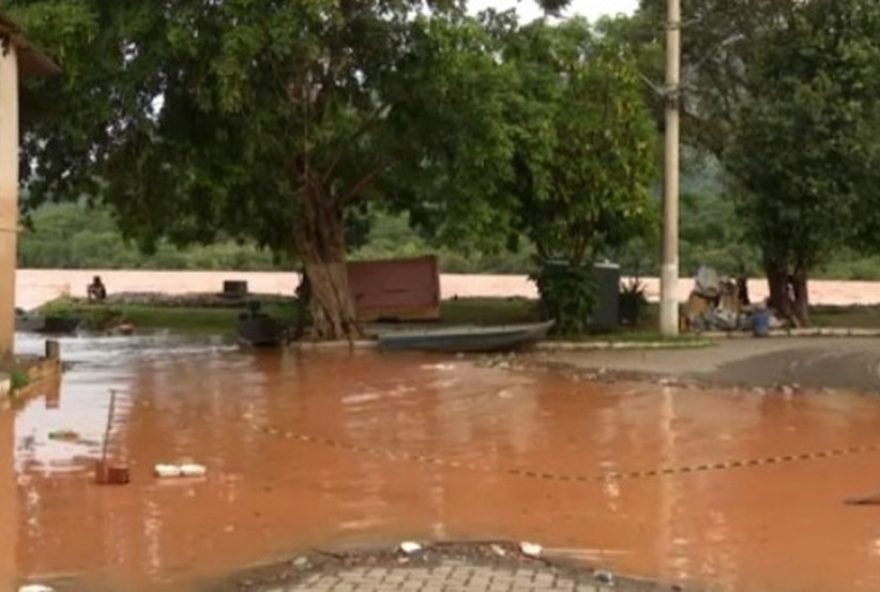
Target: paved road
449, 576
847, 363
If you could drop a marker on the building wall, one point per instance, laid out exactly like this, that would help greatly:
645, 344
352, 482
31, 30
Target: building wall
8, 195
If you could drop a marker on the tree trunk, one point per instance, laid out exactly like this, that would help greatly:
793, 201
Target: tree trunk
801, 304
789, 293
319, 236
777, 280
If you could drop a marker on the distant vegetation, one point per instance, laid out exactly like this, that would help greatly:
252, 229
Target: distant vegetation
71, 236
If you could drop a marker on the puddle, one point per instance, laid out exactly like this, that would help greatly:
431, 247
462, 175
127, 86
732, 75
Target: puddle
336, 449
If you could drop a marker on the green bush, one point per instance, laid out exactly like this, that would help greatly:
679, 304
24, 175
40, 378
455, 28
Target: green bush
568, 296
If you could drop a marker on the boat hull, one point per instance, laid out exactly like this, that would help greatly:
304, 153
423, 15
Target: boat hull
487, 339
259, 332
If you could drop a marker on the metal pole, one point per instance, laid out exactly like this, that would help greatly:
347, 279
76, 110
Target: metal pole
669, 271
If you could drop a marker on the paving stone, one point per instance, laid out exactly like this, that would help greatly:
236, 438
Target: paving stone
447, 577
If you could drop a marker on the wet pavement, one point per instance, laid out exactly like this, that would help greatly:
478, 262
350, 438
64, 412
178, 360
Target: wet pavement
339, 450
446, 577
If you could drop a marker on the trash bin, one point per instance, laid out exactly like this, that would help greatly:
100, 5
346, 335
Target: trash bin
606, 313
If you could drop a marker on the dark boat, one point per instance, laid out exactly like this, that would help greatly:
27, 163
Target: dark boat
259, 331
467, 339
60, 325
28, 322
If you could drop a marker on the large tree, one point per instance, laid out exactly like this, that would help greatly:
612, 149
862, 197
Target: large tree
585, 150
584, 161
270, 119
806, 150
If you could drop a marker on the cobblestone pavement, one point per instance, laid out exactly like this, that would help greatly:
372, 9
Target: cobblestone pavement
448, 576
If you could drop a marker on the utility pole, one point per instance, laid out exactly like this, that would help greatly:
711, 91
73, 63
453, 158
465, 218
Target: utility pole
671, 189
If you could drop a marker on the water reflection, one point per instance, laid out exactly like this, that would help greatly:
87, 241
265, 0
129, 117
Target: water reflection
269, 494
8, 502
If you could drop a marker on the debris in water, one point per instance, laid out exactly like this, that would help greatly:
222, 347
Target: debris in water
531, 549
604, 577
301, 562
498, 550
410, 547
193, 470
35, 588
865, 500
164, 471
167, 471
64, 436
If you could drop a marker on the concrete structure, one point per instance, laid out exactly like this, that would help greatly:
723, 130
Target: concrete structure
17, 58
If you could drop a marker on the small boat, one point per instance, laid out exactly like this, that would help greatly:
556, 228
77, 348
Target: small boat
60, 325
259, 331
467, 339
28, 322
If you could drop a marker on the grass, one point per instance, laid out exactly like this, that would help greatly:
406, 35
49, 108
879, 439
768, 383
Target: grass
846, 317
188, 319
489, 311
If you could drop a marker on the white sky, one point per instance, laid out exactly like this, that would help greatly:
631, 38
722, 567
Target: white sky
528, 10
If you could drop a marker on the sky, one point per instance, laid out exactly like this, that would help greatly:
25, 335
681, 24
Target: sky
592, 9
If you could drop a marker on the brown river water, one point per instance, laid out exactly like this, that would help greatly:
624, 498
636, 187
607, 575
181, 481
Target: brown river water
334, 450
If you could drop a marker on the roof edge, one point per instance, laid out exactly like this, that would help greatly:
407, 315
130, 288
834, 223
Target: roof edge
32, 61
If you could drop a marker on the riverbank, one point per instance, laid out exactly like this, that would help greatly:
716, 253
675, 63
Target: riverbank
35, 287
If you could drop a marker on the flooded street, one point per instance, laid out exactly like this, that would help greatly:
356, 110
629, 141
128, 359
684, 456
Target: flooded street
335, 450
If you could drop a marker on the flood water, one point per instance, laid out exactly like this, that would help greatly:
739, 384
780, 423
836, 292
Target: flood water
336, 449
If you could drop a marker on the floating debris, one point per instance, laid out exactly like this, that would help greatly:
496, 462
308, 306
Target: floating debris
604, 577
35, 588
64, 436
410, 547
166, 471
531, 549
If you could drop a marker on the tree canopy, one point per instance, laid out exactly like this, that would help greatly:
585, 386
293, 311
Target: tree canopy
269, 120
805, 150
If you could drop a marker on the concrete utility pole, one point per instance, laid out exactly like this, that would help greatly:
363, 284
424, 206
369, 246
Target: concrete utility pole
8, 191
669, 271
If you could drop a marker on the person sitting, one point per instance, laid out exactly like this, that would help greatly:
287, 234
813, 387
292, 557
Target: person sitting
97, 292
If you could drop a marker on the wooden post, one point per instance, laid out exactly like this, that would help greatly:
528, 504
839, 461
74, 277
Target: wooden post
8, 193
53, 349
669, 272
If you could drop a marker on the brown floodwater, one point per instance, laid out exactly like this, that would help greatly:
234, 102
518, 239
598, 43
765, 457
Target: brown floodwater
335, 450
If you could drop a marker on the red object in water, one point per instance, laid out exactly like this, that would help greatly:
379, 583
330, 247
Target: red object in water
396, 290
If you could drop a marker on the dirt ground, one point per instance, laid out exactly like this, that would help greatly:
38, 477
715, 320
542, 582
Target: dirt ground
842, 363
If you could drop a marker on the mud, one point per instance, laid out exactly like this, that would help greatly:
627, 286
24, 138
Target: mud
337, 450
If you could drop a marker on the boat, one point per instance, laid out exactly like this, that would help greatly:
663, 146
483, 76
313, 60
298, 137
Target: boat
60, 325
467, 339
259, 331
28, 322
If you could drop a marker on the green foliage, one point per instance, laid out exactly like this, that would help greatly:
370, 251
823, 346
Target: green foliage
72, 236
243, 119
584, 162
568, 295
19, 378
806, 151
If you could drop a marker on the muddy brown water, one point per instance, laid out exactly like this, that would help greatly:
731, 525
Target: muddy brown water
269, 494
